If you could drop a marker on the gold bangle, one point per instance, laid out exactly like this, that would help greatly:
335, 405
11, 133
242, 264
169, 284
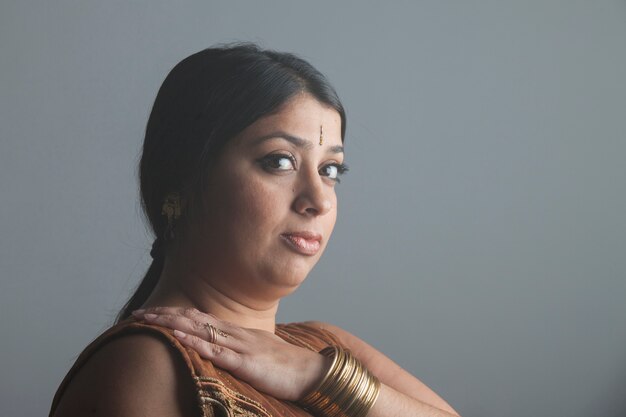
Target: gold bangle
315, 397
347, 390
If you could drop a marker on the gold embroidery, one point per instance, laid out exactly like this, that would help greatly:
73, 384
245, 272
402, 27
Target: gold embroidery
214, 391
297, 341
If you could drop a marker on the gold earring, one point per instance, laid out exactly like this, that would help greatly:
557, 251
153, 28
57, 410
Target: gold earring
172, 209
321, 135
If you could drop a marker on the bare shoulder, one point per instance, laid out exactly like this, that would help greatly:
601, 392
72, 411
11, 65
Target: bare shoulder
385, 369
355, 344
133, 375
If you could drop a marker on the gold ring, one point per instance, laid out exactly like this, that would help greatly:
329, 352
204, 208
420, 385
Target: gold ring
214, 332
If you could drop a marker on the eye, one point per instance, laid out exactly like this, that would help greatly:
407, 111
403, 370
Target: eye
333, 171
278, 162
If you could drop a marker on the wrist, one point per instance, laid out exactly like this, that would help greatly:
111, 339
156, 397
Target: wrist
348, 389
317, 368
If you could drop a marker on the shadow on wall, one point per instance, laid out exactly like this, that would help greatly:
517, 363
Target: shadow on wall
614, 402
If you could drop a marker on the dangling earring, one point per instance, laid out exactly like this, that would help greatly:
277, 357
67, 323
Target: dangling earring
172, 209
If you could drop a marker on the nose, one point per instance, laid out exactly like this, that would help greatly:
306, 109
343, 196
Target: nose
313, 196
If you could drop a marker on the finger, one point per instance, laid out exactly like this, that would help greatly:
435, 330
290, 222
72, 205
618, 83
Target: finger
191, 313
221, 356
201, 330
181, 311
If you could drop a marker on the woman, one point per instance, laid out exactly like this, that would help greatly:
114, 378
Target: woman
242, 152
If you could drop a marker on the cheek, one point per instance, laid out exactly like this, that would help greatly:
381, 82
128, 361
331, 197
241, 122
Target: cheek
250, 203
331, 217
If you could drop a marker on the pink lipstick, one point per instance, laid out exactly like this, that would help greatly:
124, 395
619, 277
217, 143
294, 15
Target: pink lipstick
306, 243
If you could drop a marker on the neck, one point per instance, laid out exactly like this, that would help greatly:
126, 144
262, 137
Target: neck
182, 288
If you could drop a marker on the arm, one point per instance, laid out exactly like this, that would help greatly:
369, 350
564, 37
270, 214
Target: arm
388, 372
394, 403
134, 375
289, 372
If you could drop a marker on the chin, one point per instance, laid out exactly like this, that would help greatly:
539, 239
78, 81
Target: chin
290, 282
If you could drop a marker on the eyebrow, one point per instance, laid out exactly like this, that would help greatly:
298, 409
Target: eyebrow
299, 142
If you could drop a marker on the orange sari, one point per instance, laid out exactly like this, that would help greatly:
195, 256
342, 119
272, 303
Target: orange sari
217, 392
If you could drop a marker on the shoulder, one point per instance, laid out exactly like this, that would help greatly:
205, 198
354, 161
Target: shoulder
357, 346
134, 374
385, 369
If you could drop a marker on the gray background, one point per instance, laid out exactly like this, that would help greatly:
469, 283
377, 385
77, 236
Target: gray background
481, 240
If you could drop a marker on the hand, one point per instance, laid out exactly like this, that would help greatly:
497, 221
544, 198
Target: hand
258, 357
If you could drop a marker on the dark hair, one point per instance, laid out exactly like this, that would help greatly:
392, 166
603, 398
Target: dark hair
205, 100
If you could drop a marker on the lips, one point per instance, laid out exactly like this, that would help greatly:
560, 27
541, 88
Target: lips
305, 242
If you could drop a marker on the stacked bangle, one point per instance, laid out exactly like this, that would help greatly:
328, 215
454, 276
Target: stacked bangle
347, 390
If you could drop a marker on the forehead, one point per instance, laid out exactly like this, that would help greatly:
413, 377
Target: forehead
301, 116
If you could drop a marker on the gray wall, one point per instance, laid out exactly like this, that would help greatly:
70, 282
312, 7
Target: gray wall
481, 240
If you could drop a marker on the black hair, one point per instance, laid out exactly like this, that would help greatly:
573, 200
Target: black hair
205, 100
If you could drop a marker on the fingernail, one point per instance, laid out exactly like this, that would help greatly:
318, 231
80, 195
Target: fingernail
180, 334
150, 316
138, 312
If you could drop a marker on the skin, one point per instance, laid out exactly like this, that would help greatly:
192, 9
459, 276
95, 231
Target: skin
232, 272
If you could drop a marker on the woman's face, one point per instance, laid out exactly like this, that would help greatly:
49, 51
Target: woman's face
272, 202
